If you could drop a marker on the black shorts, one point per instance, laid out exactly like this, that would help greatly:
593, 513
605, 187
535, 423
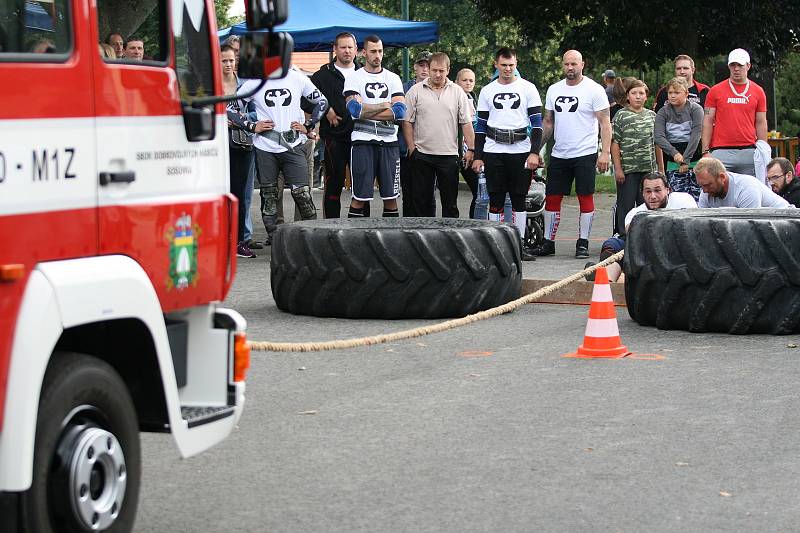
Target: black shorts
507, 172
561, 172
371, 161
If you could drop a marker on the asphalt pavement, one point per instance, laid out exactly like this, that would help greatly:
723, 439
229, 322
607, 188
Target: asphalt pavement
488, 428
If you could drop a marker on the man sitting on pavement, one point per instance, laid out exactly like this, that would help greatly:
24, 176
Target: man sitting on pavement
783, 181
729, 189
657, 195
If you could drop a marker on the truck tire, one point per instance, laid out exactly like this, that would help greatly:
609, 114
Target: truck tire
394, 267
721, 270
86, 458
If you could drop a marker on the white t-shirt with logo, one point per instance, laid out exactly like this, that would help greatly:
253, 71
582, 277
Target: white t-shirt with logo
676, 200
744, 191
508, 105
374, 88
574, 108
279, 101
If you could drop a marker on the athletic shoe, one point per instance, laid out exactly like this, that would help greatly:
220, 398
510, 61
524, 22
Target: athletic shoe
582, 249
242, 250
547, 247
527, 254
589, 277
254, 245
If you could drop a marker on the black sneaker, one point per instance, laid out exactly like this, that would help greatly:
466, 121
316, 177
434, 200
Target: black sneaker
589, 277
254, 245
528, 254
582, 249
547, 247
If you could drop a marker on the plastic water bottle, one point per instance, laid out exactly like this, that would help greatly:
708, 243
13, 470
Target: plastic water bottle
482, 198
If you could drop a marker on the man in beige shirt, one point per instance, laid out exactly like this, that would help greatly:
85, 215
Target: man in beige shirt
436, 108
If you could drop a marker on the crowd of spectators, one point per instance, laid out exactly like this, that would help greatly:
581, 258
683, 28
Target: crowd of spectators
407, 140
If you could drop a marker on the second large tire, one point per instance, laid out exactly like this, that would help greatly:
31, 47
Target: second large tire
721, 270
394, 268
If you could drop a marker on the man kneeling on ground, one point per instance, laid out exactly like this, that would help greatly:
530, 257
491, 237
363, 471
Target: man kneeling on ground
657, 195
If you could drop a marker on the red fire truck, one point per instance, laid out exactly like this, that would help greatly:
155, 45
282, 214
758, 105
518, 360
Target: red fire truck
117, 240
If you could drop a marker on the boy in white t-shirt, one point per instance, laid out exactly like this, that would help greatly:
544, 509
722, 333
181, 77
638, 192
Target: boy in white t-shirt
575, 108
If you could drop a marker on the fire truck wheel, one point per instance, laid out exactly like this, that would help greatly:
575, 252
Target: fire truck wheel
721, 270
394, 267
86, 458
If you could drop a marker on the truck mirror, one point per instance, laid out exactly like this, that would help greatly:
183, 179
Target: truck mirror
265, 56
266, 14
198, 123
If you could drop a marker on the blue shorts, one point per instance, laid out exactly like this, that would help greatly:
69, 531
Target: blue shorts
375, 161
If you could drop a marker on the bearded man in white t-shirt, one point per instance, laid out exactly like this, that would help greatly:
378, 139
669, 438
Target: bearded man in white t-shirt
575, 109
375, 100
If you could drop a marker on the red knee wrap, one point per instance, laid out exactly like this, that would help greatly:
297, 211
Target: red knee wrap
586, 202
552, 202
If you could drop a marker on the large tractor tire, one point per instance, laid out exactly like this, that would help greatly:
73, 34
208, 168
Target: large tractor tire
394, 267
721, 270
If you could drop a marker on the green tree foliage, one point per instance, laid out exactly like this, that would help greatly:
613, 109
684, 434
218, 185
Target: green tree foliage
221, 7
787, 95
471, 39
646, 33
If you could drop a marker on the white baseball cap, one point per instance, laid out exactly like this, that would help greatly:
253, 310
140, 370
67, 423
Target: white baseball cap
739, 56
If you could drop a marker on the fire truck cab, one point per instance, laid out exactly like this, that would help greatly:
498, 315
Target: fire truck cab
117, 241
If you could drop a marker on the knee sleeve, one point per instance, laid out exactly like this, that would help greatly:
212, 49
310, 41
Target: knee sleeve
269, 200
305, 204
552, 202
586, 202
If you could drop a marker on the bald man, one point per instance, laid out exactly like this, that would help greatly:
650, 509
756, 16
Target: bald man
576, 108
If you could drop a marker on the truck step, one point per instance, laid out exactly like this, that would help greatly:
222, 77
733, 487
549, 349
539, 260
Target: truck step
197, 415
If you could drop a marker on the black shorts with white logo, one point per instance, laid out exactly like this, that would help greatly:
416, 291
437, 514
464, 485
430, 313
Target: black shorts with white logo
561, 172
371, 161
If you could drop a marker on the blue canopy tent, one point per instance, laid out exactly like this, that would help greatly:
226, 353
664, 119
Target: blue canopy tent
37, 17
313, 25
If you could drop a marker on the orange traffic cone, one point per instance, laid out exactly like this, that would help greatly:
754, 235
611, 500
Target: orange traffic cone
602, 334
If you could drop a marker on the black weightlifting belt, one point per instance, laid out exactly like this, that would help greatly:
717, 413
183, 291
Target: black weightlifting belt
507, 136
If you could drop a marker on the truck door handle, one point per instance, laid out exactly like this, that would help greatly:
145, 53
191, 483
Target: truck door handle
117, 177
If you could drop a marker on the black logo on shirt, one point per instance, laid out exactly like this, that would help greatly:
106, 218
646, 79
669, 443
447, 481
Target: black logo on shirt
563, 101
272, 97
506, 101
376, 90
313, 96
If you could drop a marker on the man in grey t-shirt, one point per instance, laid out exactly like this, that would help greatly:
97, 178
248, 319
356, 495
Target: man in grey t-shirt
728, 189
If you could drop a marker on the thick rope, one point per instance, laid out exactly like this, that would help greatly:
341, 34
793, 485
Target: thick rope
434, 328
